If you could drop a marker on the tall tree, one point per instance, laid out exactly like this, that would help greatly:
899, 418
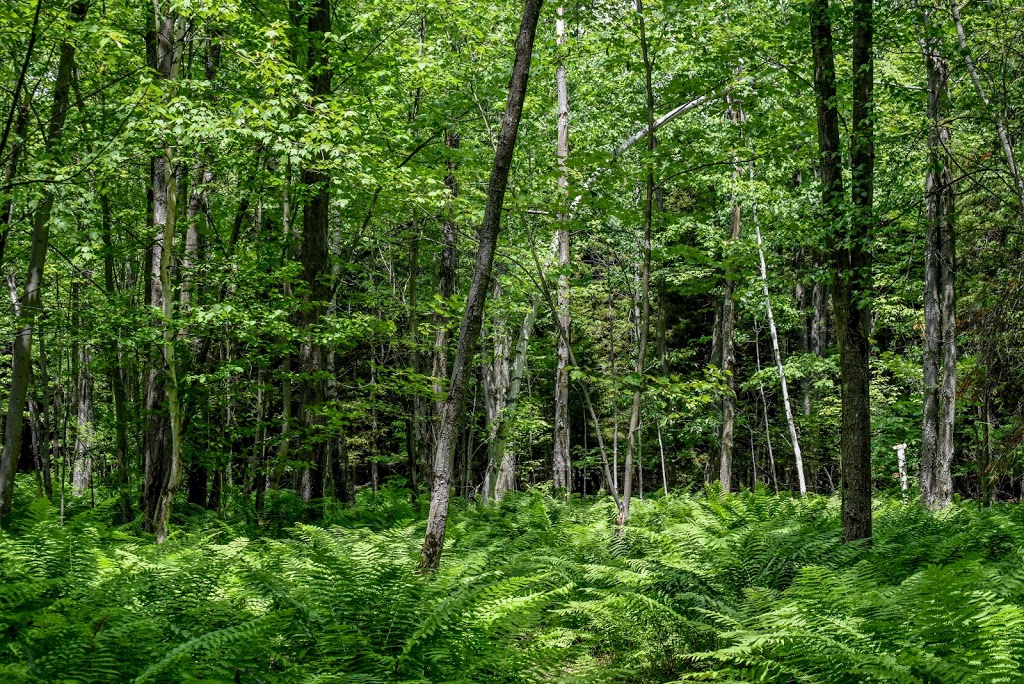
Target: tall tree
469, 330
31, 300
162, 439
939, 356
848, 237
562, 460
852, 297
314, 255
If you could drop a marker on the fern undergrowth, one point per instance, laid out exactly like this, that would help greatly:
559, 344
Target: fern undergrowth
752, 587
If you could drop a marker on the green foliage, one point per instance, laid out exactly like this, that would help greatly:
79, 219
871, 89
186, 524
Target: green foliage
744, 588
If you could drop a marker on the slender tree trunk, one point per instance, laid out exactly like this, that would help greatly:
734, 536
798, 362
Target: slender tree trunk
790, 421
935, 475
645, 280
854, 289
31, 302
83, 469
562, 460
728, 353
469, 331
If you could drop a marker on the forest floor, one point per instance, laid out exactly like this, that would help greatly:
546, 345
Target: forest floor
753, 587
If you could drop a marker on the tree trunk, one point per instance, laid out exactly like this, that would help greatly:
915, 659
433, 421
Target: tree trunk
562, 460
726, 341
315, 259
645, 281
854, 289
31, 302
83, 469
935, 475
162, 441
798, 458
469, 330
500, 462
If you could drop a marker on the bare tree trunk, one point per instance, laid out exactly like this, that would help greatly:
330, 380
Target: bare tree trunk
728, 355
778, 358
162, 452
500, 461
854, 289
83, 469
31, 302
562, 460
446, 279
935, 474
469, 331
315, 259
645, 280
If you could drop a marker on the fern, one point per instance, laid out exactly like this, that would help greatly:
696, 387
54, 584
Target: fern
732, 588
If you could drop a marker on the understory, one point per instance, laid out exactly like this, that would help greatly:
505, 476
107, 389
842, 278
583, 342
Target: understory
749, 587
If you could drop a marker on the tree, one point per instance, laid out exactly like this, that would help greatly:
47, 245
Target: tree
469, 330
936, 479
31, 300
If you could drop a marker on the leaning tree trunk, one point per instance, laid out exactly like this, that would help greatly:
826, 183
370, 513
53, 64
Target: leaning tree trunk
939, 286
31, 301
562, 460
469, 331
787, 405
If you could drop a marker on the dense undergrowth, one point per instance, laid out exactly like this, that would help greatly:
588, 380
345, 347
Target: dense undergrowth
745, 588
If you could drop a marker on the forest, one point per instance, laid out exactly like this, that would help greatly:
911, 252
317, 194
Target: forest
512, 341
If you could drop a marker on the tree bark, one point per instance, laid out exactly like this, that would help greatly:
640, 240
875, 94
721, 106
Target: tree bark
469, 330
935, 474
854, 289
162, 440
797, 456
31, 302
562, 459
315, 259
726, 341
82, 473
500, 462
